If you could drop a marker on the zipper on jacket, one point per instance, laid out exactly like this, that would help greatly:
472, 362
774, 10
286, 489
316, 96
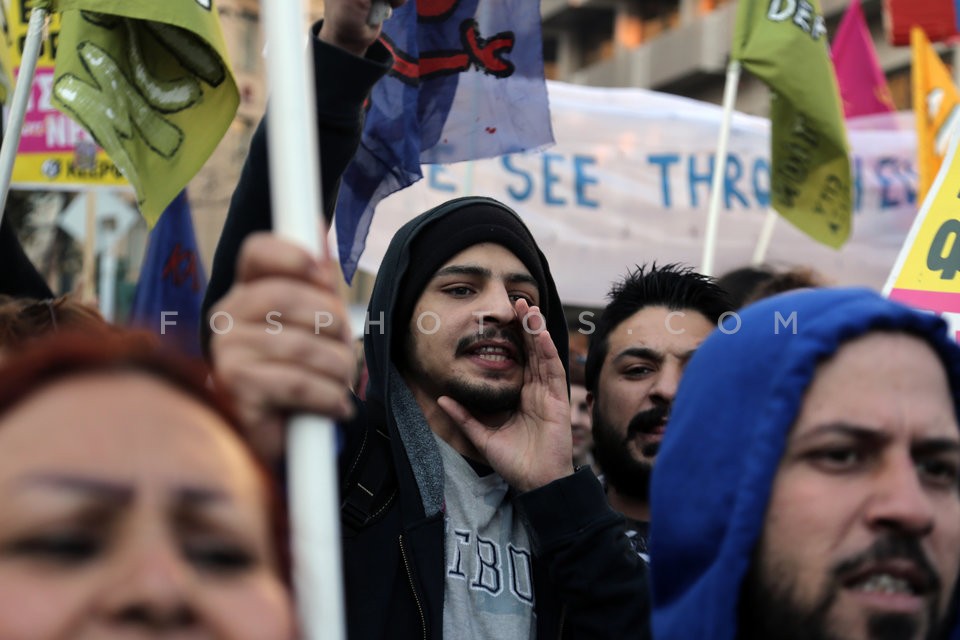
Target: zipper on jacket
416, 598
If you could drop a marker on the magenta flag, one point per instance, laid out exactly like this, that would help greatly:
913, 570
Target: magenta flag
863, 86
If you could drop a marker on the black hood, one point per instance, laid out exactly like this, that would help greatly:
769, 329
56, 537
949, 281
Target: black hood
386, 301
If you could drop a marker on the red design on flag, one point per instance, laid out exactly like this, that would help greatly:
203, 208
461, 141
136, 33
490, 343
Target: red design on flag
487, 54
181, 266
435, 9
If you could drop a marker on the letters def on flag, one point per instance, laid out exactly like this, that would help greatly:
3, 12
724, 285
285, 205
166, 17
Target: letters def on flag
784, 43
151, 82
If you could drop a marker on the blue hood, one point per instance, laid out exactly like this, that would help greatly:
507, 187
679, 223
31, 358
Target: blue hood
726, 435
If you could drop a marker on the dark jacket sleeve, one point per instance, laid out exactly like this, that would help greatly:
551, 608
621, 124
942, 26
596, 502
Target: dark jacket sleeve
599, 579
18, 277
343, 82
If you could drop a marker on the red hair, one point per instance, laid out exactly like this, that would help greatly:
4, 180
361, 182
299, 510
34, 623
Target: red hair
23, 320
67, 354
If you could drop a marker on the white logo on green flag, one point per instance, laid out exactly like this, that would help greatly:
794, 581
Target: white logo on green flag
152, 84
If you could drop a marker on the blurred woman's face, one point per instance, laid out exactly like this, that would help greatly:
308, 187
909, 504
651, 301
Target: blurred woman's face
129, 510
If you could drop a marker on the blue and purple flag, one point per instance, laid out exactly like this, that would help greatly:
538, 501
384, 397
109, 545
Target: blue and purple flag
467, 83
172, 281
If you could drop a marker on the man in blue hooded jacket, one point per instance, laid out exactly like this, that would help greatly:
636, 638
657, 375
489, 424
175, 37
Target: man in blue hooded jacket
808, 484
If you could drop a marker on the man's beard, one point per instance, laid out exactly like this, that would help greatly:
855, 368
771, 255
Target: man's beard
768, 606
476, 397
611, 451
481, 399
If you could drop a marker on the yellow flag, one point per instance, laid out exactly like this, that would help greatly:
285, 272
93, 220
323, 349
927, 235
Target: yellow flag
927, 272
55, 152
6, 61
935, 106
151, 81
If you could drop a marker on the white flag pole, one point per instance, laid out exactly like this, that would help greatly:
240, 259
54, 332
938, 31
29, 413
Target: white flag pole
88, 270
720, 167
108, 282
766, 234
21, 98
297, 211
296, 201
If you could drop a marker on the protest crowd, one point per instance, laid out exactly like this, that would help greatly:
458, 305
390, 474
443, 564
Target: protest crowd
756, 456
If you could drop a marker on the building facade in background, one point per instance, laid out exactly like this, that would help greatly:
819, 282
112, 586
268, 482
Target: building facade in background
677, 46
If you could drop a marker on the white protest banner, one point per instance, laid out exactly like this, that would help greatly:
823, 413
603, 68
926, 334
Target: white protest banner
628, 182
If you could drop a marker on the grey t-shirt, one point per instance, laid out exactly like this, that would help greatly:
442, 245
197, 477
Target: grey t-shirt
488, 592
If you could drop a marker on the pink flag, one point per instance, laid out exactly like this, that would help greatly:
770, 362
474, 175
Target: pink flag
863, 86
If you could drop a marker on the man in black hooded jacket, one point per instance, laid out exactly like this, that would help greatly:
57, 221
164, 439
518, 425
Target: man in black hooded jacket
462, 514
474, 523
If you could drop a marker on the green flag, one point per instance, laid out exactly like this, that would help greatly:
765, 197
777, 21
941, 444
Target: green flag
784, 43
150, 80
